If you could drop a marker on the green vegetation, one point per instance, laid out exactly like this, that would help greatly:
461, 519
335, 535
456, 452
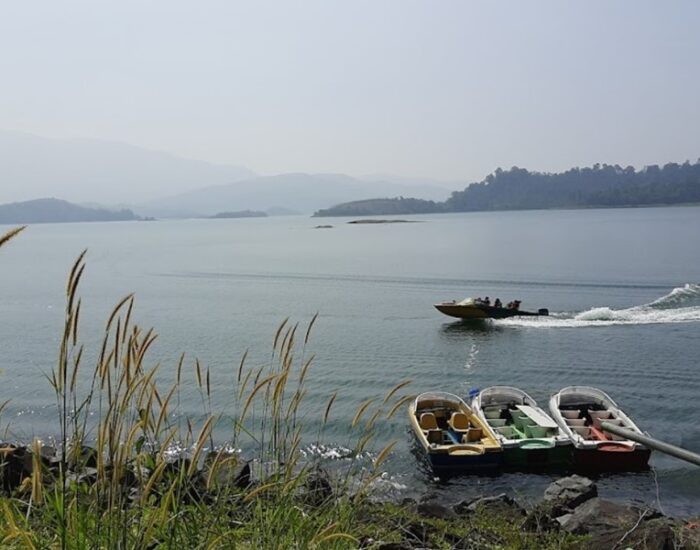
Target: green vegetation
58, 211
382, 207
131, 473
518, 189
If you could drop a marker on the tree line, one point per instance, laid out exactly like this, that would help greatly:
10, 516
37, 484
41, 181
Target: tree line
601, 185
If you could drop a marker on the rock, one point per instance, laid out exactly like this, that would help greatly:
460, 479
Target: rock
226, 470
87, 476
323, 227
541, 518
654, 534
498, 504
597, 516
569, 492
317, 488
688, 537
435, 510
81, 457
15, 466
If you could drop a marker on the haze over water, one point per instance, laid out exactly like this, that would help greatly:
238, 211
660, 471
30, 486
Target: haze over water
623, 287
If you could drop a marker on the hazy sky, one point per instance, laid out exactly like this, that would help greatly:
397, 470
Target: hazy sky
448, 89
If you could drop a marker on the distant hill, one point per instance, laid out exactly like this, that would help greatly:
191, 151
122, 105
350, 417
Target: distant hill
299, 192
58, 211
518, 189
105, 172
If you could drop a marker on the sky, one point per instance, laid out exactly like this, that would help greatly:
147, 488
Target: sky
440, 89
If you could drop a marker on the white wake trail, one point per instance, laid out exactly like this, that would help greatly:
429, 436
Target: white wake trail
681, 305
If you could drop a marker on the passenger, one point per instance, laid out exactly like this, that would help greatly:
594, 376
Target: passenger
516, 305
510, 305
487, 301
497, 303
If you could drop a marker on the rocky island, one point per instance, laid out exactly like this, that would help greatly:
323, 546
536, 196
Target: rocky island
239, 214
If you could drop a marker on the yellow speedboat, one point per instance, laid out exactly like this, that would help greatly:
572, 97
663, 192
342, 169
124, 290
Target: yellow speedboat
475, 309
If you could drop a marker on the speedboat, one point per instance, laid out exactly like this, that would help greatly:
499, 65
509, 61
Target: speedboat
579, 411
528, 435
476, 309
454, 439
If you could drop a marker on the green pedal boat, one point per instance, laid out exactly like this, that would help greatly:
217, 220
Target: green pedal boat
530, 438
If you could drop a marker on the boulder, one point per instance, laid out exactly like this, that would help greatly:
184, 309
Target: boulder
654, 534
569, 492
15, 466
597, 516
499, 504
317, 488
226, 471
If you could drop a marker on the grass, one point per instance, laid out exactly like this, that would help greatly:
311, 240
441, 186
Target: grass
131, 474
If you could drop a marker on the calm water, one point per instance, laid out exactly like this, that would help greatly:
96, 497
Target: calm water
624, 287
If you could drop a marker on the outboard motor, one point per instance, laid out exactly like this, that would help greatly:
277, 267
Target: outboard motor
543, 311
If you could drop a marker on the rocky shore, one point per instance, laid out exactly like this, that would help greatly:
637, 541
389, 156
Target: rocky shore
571, 513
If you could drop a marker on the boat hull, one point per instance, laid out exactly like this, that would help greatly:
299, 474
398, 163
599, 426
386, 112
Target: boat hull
554, 458
444, 464
601, 460
458, 311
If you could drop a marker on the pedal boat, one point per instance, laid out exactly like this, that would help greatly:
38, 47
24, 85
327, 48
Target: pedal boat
530, 438
579, 411
454, 439
471, 309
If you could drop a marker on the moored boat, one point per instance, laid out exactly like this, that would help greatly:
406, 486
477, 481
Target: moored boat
579, 411
454, 439
476, 309
530, 438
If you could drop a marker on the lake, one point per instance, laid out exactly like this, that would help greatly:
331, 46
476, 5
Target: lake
623, 287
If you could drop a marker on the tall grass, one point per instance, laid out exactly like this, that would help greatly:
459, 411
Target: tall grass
132, 473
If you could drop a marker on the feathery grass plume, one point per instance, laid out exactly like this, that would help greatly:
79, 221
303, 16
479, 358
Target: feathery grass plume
11, 234
240, 366
405, 399
308, 330
328, 407
360, 411
383, 454
396, 388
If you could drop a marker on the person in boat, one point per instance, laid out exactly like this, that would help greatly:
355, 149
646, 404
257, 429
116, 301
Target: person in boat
516, 305
497, 303
487, 301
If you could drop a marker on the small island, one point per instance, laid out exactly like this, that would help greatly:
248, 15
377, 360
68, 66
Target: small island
239, 214
372, 220
59, 211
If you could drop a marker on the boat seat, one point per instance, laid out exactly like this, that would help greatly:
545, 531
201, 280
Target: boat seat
474, 434
434, 436
428, 421
459, 422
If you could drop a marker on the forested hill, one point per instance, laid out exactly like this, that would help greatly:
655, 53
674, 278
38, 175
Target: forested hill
601, 185
518, 189
58, 211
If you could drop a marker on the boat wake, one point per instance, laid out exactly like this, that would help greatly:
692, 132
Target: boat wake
681, 305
